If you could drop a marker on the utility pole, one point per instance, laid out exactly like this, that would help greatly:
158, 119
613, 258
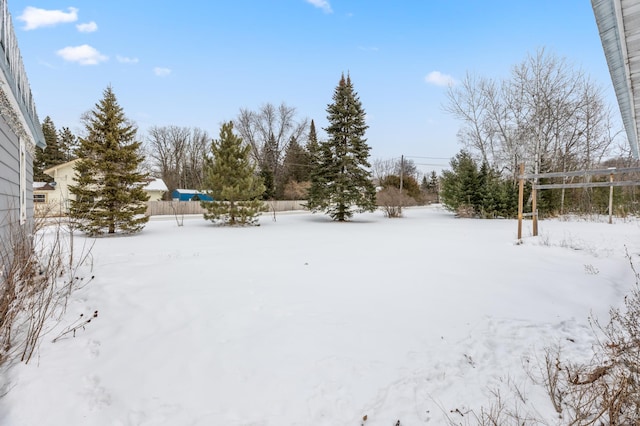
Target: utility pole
401, 171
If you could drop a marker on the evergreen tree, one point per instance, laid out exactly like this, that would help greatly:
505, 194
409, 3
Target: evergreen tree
460, 185
269, 169
424, 184
296, 163
341, 178
482, 191
68, 144
313, 152
433, 186
269, 184
39, 166
270, 160
433, 181
313, 146
108, 194
231, 180
51, 155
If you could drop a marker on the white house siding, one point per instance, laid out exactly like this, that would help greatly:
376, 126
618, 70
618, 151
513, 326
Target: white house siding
63, 175
20, 131
10, 179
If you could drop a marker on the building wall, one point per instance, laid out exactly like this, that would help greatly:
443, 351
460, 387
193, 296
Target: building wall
64, 176
10, 180
44, 207
155, 195
20, 131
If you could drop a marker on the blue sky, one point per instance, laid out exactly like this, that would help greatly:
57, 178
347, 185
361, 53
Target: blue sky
196, 63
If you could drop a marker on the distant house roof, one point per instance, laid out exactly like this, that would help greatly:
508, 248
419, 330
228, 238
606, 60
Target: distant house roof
156, 185
43, 186
60, 166
190, 195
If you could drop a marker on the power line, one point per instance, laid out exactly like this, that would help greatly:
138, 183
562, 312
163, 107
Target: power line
428, 158
431, 164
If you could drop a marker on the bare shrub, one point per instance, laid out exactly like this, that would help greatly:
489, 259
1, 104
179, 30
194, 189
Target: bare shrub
602, 391
178, 213
295, 190
551, 379
391, 200
509, 405
38, 274
606, 390
80, 323
465, 211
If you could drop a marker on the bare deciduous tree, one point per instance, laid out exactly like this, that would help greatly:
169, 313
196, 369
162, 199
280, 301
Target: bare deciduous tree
382, 168
268, 131
548, 115
177, 155
469, 104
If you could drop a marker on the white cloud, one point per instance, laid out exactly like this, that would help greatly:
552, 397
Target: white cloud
89, 27
34, 17
321, 4
84, 55
439, 79
126, 60
161, 72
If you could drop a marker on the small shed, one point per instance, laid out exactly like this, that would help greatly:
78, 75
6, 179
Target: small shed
155, 188
43, 203
41, 191
190, 195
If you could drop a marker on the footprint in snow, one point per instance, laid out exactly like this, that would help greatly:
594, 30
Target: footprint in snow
97, 394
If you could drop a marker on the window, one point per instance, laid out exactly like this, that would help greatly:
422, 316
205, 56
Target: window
39, 198
23, 182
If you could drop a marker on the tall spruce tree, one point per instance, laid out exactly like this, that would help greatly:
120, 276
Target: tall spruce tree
460, 185
342, 178
39, 166
296, 163
51, 155
108, 194
269, 169
313, 151
313, 146
230, 178
68, 144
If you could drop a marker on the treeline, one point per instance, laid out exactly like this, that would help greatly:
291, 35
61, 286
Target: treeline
478, 190
280, 145
546, 115
261, 160
61, 147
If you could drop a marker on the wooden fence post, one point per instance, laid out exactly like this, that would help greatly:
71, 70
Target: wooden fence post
611, 199
534, 208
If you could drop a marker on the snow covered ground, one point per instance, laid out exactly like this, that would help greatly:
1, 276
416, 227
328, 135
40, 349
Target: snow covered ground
304, 321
